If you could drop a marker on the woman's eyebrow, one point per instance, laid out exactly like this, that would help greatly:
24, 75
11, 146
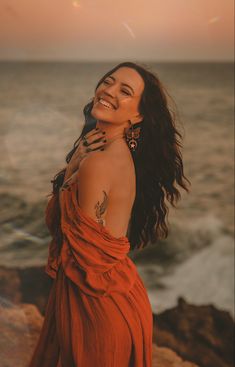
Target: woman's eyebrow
112, 77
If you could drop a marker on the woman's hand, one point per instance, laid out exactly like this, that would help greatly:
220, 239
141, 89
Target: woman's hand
93, 140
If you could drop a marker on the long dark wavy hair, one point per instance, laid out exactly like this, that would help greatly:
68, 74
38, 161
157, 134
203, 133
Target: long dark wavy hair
157, 159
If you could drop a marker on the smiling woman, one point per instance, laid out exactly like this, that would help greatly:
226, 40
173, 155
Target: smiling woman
103, 204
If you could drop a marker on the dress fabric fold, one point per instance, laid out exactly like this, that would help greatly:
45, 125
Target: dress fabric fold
98, 313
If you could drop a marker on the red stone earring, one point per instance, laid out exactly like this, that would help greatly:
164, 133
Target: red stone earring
131, 136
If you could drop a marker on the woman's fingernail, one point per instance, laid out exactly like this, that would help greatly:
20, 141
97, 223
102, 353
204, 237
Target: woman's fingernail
97, 128
103, 132
102, 149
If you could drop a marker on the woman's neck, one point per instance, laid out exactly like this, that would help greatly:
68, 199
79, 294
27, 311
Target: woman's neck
112, 133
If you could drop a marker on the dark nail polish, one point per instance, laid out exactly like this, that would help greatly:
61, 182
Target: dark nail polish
102, 149
97, 128
103, 132
104, 140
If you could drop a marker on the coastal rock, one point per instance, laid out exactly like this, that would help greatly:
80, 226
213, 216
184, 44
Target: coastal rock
202, 334
20, 326
165, 357
10, 285
29, 285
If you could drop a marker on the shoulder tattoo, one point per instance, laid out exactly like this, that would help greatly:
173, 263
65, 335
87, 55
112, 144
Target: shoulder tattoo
100, 209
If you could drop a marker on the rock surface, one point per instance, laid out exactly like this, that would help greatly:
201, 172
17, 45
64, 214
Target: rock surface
165, 357
30, 285
201, 334
20, 326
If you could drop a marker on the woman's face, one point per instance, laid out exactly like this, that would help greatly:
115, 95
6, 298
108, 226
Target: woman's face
122, 89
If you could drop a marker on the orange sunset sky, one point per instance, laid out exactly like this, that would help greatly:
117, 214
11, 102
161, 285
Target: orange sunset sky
96, 30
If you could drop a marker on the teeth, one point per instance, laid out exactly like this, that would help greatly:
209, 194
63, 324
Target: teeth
106, 104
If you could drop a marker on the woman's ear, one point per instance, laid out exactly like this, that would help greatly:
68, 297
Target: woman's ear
137, 119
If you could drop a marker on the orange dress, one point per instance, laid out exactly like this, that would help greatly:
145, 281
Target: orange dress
98, 312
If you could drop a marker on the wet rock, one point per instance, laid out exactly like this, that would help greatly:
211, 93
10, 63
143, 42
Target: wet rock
29, 285
202, 334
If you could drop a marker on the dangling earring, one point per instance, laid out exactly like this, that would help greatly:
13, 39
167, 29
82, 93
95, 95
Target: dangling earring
131, 136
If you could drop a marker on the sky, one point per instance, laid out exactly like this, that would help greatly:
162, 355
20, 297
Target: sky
108, 30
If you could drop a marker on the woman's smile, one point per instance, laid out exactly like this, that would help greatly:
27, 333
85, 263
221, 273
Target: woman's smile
102, 102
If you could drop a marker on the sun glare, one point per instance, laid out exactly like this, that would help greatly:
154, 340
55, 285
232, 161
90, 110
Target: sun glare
214, 20
76, 3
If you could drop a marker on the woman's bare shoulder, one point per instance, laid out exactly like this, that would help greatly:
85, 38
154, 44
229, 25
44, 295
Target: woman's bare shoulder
97, 163
111, 162
95, 159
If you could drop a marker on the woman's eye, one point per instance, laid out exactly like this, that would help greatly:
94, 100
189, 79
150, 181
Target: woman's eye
124, 91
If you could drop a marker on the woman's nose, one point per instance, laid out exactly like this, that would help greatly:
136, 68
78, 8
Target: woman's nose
110, 90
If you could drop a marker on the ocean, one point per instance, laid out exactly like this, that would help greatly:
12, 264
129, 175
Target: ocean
41, 116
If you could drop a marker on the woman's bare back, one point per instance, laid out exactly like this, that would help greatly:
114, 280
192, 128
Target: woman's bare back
123, 190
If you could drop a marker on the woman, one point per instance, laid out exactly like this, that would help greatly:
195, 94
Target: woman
108, 200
